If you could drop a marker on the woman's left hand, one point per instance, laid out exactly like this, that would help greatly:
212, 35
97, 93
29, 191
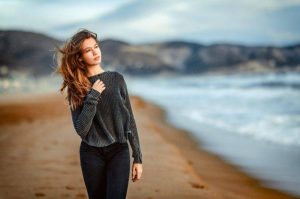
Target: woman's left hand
137, 170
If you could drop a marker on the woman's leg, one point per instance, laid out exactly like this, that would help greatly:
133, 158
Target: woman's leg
118, 168
94, 171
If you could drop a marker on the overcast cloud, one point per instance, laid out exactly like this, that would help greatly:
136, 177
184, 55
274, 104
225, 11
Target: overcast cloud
249, 22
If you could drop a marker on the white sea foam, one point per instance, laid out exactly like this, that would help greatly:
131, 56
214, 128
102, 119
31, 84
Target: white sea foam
239, 104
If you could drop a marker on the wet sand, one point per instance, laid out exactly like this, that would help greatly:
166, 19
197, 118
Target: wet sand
40, 156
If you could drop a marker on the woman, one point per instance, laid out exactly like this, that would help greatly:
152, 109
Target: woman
102, 116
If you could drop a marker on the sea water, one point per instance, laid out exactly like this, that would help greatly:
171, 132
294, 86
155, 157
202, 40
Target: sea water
252, 121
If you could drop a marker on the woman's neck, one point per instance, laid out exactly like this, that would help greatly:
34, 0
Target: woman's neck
95, 70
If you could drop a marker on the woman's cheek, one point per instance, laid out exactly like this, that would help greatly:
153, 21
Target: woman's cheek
89, 58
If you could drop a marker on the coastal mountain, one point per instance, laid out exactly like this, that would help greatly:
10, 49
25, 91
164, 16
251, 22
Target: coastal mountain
33, 53
26, 52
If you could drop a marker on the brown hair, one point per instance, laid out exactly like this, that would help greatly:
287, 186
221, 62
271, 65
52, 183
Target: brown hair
74, 71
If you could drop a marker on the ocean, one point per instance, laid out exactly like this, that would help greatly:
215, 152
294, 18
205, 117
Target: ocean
250, 120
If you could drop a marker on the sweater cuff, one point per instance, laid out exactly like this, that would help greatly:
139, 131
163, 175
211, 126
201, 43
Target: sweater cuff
94, 93
137, 160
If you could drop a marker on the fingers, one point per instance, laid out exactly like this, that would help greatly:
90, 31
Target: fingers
99, 85
98, 81
136, 172
139, 175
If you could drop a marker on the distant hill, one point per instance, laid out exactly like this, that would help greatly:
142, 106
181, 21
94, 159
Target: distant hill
27, 52
32, 53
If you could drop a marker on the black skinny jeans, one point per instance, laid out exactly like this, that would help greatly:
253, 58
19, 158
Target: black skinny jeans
105, 170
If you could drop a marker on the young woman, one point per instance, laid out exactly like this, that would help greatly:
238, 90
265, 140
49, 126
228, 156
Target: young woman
102, 116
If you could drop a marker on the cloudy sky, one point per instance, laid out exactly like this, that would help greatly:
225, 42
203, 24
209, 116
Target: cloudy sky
248, 22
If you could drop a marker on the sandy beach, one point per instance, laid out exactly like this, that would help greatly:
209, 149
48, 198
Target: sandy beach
40, 156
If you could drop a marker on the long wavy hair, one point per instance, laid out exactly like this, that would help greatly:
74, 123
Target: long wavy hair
73, 70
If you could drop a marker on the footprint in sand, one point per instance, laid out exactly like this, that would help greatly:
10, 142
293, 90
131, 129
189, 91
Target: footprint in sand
40, 194
69, 187
197, 186
190, 162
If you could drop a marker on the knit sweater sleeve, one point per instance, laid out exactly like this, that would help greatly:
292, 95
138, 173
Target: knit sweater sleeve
133, 133
82, 116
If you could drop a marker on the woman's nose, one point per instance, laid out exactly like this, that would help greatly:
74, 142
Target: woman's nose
95, 52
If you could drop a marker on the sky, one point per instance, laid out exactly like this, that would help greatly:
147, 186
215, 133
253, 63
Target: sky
245, 22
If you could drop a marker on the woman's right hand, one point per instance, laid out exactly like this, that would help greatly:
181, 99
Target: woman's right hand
99, 86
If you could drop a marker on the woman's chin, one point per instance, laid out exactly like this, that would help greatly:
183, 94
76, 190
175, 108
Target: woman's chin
96, 62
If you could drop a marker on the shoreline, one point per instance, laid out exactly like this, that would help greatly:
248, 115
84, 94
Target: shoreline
174, 164
194, 153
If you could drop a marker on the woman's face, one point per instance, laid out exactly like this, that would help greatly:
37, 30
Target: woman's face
90, 51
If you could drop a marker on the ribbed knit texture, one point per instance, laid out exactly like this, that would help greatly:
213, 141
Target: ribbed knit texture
107, 117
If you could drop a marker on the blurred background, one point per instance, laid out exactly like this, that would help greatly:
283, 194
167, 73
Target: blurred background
227, 71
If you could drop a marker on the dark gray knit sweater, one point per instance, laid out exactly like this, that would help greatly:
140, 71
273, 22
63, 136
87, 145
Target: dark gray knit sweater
105, 118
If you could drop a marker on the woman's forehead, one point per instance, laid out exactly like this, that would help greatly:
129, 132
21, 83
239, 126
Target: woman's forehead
89, 42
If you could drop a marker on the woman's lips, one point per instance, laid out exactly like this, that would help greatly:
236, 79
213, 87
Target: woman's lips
96, 58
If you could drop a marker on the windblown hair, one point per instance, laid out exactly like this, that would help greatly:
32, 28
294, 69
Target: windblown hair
74, 71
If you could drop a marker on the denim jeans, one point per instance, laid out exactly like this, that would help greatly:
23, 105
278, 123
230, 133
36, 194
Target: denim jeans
105, 170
